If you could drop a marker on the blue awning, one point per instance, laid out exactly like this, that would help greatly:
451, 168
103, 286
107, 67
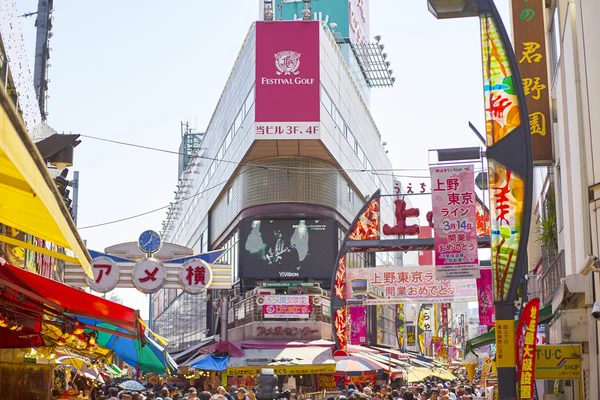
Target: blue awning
212, 363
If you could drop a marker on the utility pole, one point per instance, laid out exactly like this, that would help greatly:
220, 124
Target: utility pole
75, 185
43, 24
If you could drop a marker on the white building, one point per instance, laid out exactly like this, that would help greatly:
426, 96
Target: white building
241, 175
564, 277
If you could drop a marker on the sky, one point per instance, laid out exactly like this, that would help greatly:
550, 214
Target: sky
133, 70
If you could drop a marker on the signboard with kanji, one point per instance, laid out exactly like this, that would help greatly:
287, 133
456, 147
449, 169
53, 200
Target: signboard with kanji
454, 221
505, 343
530, 49
393, 285
106, 275
195, 276
526, 343
149, 275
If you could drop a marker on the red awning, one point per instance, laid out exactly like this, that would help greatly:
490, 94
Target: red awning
68, 300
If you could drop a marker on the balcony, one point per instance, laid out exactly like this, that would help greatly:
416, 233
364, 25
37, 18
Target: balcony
267, 315
553, 270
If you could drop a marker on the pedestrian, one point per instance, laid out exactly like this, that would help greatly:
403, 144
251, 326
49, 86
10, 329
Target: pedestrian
112, 393
205, 395
221, 391
241, 394
192, 393
408, 396
126, 395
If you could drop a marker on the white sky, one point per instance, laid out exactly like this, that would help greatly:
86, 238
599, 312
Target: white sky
133, 70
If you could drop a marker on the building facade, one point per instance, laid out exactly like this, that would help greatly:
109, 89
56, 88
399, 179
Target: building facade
564, 243
287, 160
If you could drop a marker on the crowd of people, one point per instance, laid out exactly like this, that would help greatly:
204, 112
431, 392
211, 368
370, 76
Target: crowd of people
427, 390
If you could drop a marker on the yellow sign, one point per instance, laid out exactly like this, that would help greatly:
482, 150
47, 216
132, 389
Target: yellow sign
505, 343
284, 370
558, 361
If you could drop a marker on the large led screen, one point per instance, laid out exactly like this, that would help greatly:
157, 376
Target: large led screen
287, 249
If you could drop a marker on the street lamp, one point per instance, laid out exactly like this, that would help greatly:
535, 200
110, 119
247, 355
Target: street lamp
442, 9
510, 173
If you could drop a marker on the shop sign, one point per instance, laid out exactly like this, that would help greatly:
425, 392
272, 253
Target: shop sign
293, 300
195, 276
287, 311
526, 343
558, 362
284, 370
29, 360
455, 222
149, 275
106, 275
485, 297
286, 284
486, 369
285, 331
326, 308
288, 84
411, 337
326, 382
529, 38
505, 343
358, 325
408, 284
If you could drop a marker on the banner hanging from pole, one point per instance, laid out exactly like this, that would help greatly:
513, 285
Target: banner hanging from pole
454, 221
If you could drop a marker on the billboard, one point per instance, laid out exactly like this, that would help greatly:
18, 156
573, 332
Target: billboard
282, 249
393, 285
287, 80
454, 221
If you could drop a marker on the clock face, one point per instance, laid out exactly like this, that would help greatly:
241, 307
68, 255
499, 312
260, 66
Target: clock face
149, 242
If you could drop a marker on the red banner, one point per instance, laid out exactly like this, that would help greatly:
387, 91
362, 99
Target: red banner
288, 85
485, 297
526, 345
444, 311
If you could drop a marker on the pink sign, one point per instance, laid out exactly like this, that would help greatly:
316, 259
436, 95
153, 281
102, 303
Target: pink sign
287, 80
485, 297
454, 221
393, 285
286, 311
359, 21
358, 325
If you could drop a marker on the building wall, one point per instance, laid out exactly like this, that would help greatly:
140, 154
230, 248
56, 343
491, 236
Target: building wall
573, 38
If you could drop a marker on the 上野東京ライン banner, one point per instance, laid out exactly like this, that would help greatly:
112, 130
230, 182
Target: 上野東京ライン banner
454, 221
392, 285
287, 80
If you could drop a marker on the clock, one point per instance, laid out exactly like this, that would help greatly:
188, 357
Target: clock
149, 241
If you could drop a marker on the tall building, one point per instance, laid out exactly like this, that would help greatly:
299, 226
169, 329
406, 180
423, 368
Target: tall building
564, 243
286, 162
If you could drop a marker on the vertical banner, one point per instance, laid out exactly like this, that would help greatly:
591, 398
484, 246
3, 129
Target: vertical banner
424, 327
444, 311
358, 325
454, 222
526, 348
400, 326
529, 38
411, 338
485, 297
287, 80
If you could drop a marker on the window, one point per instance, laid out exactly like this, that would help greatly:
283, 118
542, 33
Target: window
238, 121
351, 140
555, 43
229, 194
337, 118
350, 197
228, 139
250, 100
326, 100
345, 131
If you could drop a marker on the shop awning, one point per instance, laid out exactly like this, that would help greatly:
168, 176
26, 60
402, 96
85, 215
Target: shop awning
384, 359
395, 353
286, 361
67, 300
385, 363
30, 201
490, 337
212, 363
